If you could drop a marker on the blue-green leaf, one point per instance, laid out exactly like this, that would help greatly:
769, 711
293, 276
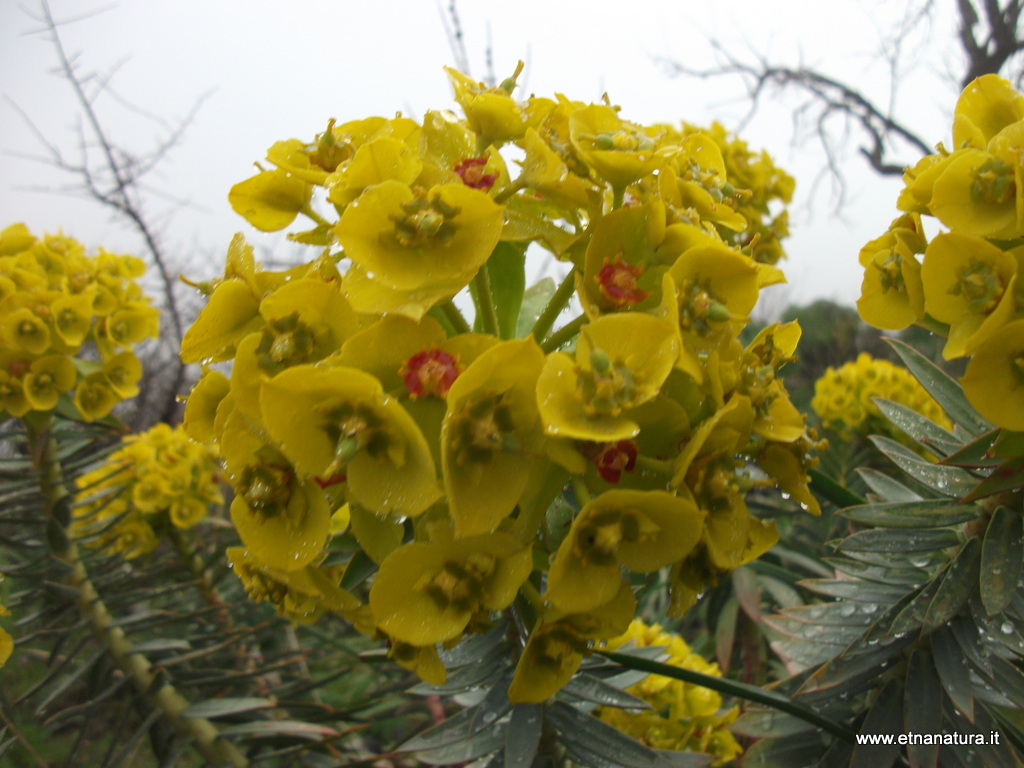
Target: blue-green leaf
886, 487
946, 391
949, 481
523, 735
1002, 558
900, 540
213, 708
916, 426
598, 745
930, 513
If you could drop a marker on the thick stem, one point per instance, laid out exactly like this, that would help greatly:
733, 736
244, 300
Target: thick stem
485, 302
555, 306
451, 312
57, 501
563, 334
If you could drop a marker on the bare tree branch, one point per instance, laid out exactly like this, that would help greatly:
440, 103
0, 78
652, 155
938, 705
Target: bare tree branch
987, 33
453, 31
114, 179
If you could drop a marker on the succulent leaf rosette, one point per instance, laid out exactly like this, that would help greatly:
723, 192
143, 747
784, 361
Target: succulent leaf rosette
394, 458
68, 324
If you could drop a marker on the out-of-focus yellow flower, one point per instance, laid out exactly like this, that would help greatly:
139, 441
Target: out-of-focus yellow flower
156, 478
985, 107
844, 396
683, 716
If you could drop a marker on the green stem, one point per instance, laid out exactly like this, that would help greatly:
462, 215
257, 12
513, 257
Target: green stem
661, 466
563, 334
618, 196
170, 703
555, 306
733, 688
510, 190
456, 318
485, 302
307, 210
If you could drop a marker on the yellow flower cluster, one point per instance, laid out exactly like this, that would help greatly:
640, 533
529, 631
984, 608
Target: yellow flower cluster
68, 322
844, 397
963, 282
156, 478
358, 387
760, 190
682, 716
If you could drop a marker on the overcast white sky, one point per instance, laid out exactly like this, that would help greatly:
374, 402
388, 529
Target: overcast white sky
275, 70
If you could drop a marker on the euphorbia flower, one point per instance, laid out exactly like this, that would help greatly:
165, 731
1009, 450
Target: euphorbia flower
985, 107
622, 269
621, 362
968, 283
94, 398
491, 441
716, 288
775, 416
48, 379
426, 593
472, 171
976, 194
419, 247
12, 395
492, 113
24, 331
612, 459
330, 419
298, 594
640, 530
994, 379
282, 520
556, 647
378, 160
892, 295
619, 151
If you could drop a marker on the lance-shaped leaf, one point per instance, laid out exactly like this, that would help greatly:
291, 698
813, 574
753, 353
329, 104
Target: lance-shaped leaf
956, 587
930, 513
916, 426
592, 742
922, 707
946, 391
1002, 558
949, 481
